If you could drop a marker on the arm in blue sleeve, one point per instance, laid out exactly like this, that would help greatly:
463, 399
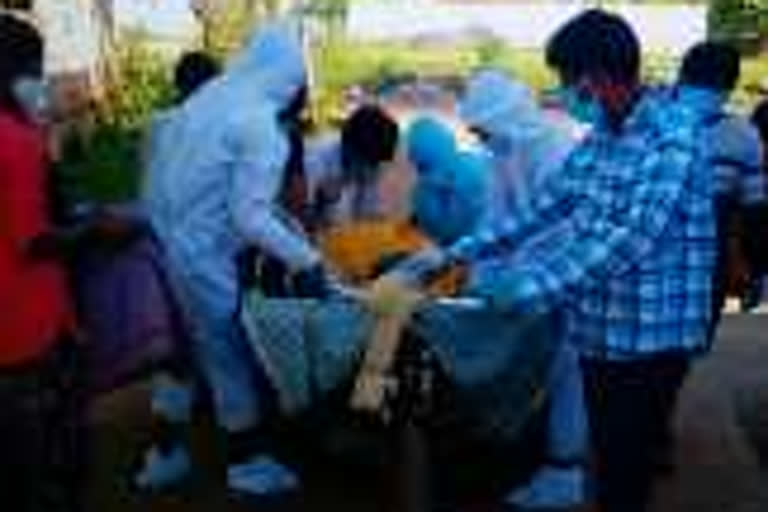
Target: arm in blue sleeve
740, 154
551, 201
605, 234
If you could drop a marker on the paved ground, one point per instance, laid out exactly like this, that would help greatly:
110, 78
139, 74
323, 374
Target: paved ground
718, 470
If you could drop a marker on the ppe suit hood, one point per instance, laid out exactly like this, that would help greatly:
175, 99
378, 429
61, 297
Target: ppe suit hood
501, 107
276, 54
430, 144
450, 202
270, 68
526, 145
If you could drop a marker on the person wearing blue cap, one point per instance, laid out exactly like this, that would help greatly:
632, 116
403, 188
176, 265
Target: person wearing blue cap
453, 197
429, 143
450, 201
450, 197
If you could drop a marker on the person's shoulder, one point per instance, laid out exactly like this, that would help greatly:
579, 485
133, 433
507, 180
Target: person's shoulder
251, 126
669, 117
160, 120
207, 111
664, 103
739, 139
739, 125
163, 116
19, 138
16, 130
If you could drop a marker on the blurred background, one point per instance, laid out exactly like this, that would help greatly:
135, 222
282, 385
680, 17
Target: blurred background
97, 47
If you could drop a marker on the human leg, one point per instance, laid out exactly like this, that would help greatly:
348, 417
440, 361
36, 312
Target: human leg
167, 461
42, 436
626, 404
664, 451
228, 367
568, 424
21, 440
561, 482
207, 295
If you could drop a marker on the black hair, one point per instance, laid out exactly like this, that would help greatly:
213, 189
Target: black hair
595, 43
711, 65
369, 136
760, 120
21, 53
193, 71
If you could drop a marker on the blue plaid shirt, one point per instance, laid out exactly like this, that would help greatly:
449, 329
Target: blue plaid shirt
624, 238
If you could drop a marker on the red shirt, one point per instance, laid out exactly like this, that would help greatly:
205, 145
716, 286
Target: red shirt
34, 301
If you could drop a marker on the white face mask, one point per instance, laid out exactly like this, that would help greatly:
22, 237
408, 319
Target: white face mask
33, 96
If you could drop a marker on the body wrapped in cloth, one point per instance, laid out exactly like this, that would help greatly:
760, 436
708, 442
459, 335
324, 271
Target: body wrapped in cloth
497, 365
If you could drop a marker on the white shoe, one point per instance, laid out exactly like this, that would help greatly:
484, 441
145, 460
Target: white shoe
163, 471
261, 476
551, 488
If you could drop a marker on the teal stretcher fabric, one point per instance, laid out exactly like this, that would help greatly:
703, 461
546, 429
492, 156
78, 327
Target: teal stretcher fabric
498, 364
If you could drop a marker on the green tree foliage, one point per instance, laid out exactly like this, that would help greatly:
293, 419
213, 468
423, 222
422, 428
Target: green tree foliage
331, 14
224, 23
742, 22
101, 161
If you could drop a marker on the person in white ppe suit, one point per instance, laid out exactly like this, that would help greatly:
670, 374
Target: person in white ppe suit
526, 145
214, 179
529, 148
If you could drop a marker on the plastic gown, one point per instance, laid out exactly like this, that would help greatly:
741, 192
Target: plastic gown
213, 179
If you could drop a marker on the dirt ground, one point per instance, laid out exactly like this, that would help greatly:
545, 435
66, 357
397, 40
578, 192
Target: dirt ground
718, 470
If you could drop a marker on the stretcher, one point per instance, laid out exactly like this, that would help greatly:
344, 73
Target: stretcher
451, 361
